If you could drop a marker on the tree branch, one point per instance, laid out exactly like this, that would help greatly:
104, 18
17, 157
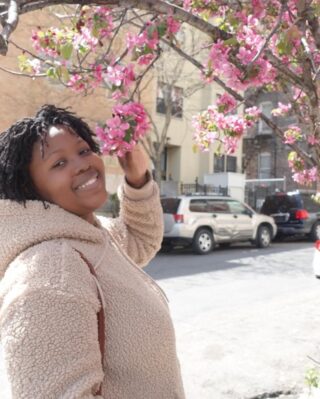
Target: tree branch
154, 6
9, 25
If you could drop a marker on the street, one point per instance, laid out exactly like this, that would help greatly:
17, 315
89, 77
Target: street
246, 319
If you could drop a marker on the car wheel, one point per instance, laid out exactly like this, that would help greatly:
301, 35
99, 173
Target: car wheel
315, 232
263, 239
203, 241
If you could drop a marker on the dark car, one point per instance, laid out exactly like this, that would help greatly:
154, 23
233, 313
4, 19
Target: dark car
295, 213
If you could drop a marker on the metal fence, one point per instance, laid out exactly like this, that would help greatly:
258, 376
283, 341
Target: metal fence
256, 190
204, 189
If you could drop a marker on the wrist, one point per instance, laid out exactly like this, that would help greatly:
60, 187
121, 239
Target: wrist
139, 183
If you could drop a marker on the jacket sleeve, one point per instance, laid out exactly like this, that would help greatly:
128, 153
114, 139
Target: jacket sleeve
49, 332
139, 228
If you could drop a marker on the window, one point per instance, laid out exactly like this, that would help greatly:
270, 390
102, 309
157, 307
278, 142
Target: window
166, 92
170, 205
218, 206
231, 163
218, 163
237, 207
225, 163
198, 205
264, 165
266, 108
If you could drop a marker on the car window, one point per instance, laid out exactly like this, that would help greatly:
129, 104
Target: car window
237, 207
170, 205
198, 205
309, 204
280, 203
217, 206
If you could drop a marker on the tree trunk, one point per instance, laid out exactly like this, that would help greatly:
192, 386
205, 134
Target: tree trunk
157, 168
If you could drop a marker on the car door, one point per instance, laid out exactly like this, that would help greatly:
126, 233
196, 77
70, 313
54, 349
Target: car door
222, 219
242, 221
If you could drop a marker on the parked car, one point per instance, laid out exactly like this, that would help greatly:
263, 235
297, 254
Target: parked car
295, 213
316, 259
204, 221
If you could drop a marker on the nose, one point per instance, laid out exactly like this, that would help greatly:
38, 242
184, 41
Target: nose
80, 165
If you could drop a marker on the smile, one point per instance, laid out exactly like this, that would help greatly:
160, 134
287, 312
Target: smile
92, 183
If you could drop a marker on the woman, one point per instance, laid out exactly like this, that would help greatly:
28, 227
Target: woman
51, 181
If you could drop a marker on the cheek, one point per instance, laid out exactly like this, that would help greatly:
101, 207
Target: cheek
53, 185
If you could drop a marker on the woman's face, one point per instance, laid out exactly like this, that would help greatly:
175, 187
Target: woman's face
68, 173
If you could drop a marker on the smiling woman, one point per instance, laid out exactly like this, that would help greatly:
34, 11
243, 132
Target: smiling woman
62, 269
67, 172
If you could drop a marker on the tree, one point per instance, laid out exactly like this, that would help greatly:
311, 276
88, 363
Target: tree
247, 46
175, 83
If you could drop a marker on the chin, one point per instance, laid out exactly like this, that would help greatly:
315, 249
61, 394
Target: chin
99, 202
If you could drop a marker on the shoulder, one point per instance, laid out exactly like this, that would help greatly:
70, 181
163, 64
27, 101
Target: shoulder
52, 264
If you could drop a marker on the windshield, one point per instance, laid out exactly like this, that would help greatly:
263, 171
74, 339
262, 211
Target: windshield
279, 204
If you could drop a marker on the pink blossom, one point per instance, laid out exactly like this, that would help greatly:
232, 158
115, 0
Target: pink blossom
230, 144
146, 59
253, 112
124, 129
292, 135
173, 26
306, 177
85, 39
313, 140
281, 110
226, 103
77, 83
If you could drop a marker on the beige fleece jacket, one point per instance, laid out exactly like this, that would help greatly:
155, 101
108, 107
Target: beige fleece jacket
49, 303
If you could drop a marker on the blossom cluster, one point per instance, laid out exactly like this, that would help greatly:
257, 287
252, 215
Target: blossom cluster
217, 124
121, 133
239, 56
300, 173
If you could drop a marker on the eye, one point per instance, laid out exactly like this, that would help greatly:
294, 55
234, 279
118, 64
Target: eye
86, 150
59, 164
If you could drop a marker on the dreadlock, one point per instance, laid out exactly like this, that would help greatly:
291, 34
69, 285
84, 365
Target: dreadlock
16, 145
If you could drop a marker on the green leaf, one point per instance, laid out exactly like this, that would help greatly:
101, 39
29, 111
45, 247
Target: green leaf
231, 42
128, 136
23, 63
51, 73
162, 29
292, 156
66, 50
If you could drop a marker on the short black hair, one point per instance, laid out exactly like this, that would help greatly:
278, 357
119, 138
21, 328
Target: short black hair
16, 145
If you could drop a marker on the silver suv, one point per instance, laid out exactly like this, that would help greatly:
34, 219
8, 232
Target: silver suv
204, 221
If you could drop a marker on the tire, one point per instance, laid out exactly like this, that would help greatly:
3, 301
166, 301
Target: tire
203, 241
263, 238
315, 232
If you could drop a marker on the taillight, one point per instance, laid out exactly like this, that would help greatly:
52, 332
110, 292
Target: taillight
301, 214
178, 218
317, 245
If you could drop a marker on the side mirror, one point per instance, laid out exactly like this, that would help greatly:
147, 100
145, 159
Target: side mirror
249, 213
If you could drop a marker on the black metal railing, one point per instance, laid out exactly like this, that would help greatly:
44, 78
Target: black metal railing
204, 189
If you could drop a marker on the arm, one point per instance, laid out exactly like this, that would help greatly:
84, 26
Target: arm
139, 229
49, 334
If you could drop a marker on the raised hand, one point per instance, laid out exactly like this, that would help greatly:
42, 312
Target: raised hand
135, 166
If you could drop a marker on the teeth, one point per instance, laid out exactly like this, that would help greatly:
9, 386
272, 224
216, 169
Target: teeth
88, 183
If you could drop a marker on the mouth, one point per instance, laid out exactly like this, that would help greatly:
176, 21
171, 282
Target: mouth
90, 184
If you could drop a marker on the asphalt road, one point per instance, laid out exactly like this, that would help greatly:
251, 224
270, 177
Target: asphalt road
246, 319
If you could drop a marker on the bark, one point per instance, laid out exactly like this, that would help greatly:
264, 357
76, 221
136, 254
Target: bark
157, 168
